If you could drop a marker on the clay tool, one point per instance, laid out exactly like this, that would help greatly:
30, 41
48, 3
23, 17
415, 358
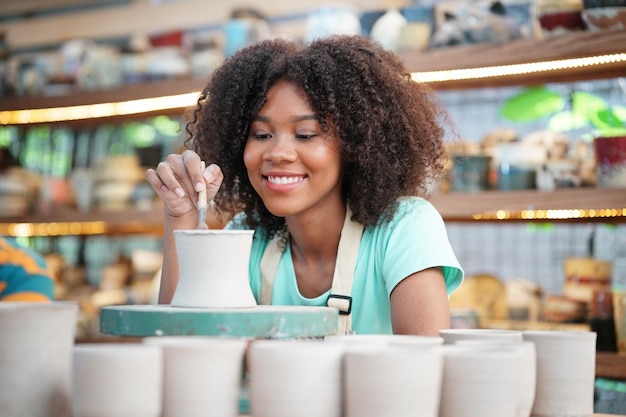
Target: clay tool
202, 204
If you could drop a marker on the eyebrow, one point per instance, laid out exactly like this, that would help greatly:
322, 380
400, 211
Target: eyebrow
294, 119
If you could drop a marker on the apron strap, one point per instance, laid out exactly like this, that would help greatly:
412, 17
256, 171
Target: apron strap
343, 276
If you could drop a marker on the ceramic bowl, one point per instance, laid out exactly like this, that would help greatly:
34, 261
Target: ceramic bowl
562, 22
602, 18
590, 4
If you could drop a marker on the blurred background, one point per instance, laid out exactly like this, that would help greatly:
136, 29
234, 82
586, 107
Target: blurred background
94, 92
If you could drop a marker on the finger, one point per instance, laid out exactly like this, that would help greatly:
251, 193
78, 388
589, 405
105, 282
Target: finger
173, 175
213, 176
193, 166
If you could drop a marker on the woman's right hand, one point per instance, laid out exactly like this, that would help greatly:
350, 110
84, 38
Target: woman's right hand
179, 178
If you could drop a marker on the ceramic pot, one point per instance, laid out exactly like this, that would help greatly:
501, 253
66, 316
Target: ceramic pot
35, 358
610, 154
470, 172
117, 380
565, 372
392, 381
583, 276
295, 378
527, 373
451, 336
479, 382
202, 375
213, 268
385, 340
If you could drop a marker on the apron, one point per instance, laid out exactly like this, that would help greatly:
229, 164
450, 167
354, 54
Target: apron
343, 276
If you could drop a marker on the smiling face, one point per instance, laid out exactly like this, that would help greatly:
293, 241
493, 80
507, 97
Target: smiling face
292, 164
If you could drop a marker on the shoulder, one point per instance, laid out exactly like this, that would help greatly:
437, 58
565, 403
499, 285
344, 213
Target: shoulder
413, 211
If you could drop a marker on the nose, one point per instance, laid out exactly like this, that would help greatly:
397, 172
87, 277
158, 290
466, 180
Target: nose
280, 149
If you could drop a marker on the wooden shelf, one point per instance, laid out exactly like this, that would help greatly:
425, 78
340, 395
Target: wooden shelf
470, 56
68, 220
608, 205
454, 207
576, 45
611, 365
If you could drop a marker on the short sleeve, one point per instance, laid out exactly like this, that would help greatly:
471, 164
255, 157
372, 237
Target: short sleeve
416, 239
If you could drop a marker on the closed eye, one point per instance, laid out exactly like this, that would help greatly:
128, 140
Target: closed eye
261, 136
305, 137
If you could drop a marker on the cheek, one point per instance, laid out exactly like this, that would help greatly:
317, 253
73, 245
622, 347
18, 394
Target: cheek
249, 156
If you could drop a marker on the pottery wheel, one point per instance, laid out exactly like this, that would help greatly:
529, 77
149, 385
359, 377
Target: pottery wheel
255, 322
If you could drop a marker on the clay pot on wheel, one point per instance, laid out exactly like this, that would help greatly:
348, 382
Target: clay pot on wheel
213, 269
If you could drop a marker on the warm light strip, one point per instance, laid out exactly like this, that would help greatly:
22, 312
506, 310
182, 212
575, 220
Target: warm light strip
553, 214
91, 111
179, 101
53, 229
516, 69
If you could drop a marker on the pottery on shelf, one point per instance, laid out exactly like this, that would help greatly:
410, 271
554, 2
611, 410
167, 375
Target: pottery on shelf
35, 358
213, 269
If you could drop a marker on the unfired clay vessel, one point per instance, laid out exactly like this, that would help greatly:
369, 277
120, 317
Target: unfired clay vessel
202, 375
290, 378
384, 340
479, 382
527, 373
35, 358
213, 269
452, 335
399, 381
117, 380
565, 372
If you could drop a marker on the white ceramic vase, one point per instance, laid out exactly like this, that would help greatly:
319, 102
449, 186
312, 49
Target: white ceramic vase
213, 269
290, 378
35, 358
399, 381
450, 336
527, 369
479, 382
202, 375
566, 363
384, 340
117, 380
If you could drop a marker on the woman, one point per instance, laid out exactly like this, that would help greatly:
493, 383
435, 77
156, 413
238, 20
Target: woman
304, 141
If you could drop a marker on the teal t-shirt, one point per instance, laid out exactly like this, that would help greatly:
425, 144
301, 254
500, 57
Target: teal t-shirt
415, 239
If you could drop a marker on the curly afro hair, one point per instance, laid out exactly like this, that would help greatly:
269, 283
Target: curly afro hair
389, 126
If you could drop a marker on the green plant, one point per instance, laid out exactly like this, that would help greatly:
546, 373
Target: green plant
579, 110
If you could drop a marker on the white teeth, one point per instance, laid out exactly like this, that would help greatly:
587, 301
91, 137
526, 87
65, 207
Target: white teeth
284, 180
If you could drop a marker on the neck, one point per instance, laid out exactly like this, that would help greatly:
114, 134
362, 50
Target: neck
315, 238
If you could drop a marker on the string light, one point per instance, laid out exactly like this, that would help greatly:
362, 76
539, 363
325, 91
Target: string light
91, 111
516, 69
180, 101
552, 214
53, 229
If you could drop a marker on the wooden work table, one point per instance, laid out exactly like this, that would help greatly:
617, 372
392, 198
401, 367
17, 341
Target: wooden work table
611, 365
